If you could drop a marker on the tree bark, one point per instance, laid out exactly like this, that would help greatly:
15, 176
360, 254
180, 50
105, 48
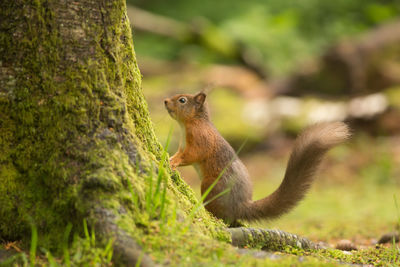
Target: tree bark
74, 126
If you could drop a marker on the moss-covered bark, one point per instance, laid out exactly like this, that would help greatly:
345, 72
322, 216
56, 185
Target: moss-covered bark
75, 135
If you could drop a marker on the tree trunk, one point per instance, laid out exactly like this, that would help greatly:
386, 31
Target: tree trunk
76, 140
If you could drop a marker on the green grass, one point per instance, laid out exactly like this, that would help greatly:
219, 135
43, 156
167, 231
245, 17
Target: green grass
32, 252
82, 251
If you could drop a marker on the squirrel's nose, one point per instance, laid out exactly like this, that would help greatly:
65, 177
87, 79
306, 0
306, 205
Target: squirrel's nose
165, 101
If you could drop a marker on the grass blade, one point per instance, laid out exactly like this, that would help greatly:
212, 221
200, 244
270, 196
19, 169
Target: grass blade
32, 251
65, 245
85, 229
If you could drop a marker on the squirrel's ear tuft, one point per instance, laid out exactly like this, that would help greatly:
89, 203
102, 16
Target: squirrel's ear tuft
200, 98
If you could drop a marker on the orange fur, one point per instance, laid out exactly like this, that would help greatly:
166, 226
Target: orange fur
205, 148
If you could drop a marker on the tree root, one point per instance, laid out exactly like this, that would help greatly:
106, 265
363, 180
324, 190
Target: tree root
269, 239
126, 251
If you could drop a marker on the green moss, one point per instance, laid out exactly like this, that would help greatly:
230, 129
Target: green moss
379, 256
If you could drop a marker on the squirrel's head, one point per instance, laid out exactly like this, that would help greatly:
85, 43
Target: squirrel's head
185, 107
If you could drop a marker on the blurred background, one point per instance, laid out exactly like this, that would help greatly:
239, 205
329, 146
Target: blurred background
275, 67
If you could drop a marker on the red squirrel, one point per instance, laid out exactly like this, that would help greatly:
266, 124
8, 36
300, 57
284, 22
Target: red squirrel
205, 148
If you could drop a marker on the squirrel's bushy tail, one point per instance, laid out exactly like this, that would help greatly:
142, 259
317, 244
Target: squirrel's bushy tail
304, 161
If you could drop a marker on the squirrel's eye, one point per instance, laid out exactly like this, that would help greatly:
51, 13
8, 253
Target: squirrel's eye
182, 100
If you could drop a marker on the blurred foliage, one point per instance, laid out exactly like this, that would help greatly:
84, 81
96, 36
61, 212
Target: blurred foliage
282, 33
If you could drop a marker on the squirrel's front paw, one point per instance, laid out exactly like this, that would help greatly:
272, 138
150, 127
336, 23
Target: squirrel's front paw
174, 162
